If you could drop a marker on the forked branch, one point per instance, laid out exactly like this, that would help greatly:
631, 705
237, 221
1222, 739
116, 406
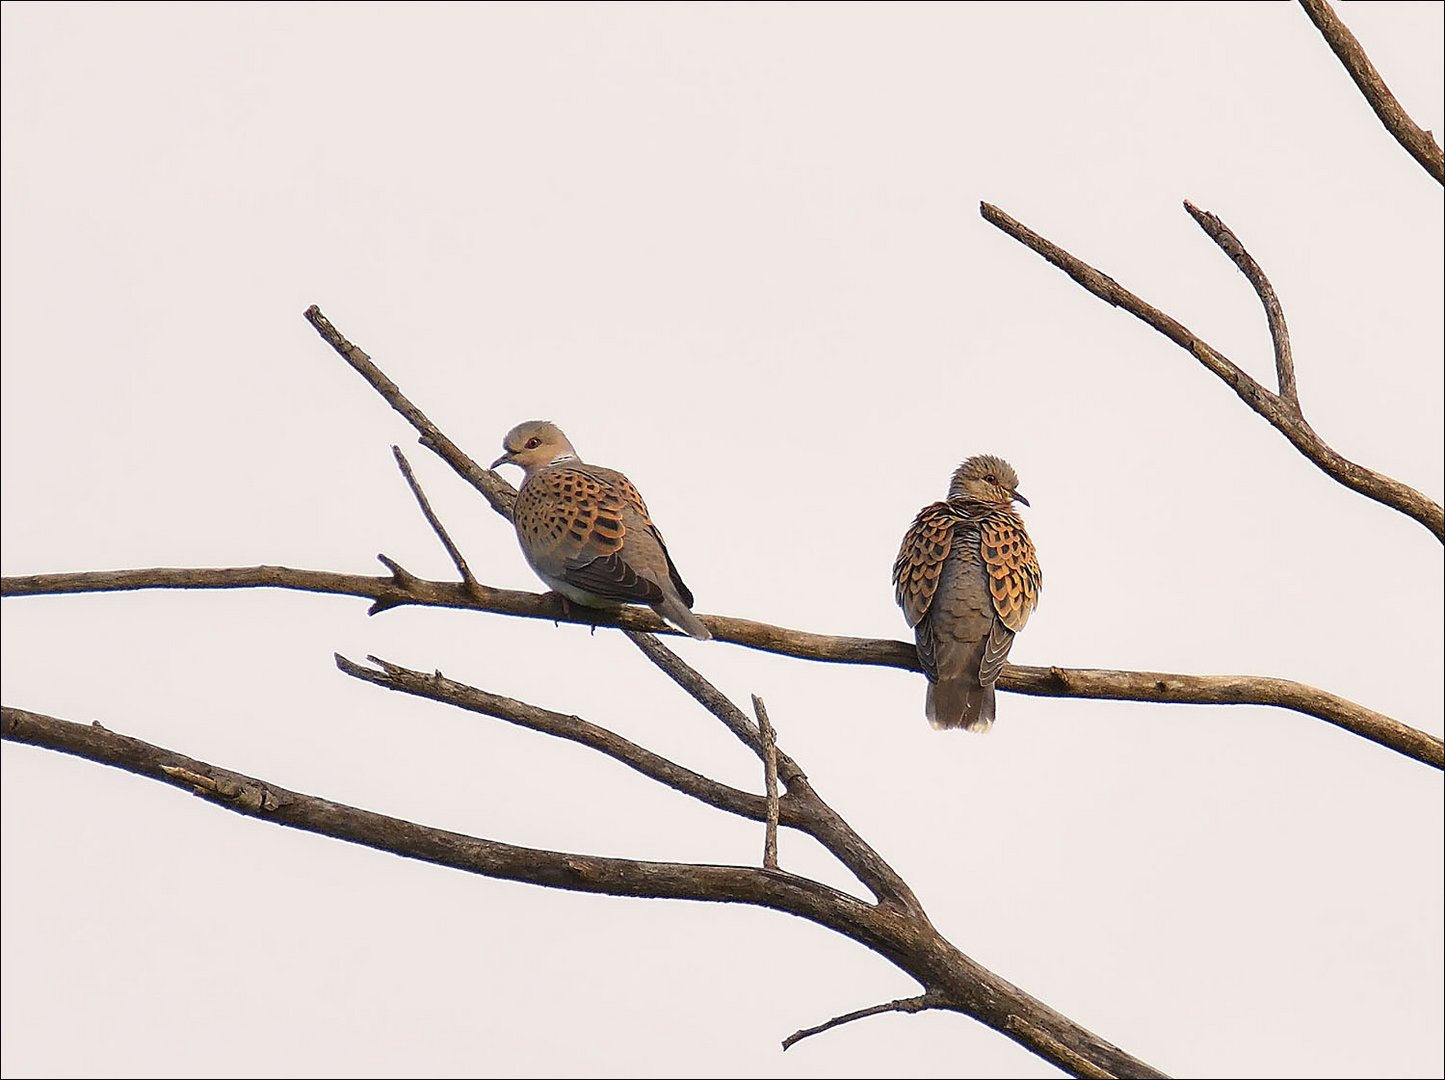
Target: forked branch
826, 826
905, 938
1222, 235
1280, 409
894, 925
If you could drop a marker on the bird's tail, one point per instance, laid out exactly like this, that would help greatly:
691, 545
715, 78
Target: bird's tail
960, 703
958, 697
676, 612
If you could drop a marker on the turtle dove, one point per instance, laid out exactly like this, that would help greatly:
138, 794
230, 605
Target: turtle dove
586, 532
967, 578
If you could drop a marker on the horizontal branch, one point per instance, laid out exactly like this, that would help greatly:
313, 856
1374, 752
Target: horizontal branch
1168, 688
388, 592
1418, 142
1283, 414
954, 980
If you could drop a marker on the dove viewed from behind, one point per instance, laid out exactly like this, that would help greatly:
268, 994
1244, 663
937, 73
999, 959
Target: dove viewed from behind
967, 578
586, 532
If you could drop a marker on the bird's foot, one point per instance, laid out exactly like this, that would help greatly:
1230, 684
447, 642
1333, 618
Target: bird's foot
561, 600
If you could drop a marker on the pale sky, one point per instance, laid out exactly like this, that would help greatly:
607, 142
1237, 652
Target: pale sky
735, 251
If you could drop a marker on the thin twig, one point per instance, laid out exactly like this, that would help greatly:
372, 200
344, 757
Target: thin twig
458, 560
1418, 142
500, 494
437, 687
770, 783
1222, 235
918, 1004
1280, 413
387, 592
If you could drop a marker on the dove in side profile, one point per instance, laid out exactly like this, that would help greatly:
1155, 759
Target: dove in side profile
967, 578
586, 532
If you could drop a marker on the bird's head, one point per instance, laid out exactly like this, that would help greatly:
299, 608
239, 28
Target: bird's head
535, 444
987, 479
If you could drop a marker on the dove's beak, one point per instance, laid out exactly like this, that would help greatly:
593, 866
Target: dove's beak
1017, 497
505, 459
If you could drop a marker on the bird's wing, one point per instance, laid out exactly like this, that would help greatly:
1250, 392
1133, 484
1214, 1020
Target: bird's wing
920, 560
995, 652
1012, 565
573, 521
633, 499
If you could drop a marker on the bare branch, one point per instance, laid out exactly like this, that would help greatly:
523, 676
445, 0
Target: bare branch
904, 938
405, 582
825, 824
421, 500
1164, 686
500, 494
706, 694
1420, 144
1280, 412
490, 858
1182, 689
437, 687
917, 1004
770, 784
1222, 235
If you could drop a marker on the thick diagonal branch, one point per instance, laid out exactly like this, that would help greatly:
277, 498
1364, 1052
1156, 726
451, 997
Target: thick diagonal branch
1418, 142
824, 824
955, 979
393, 591
1282, 413
803, 810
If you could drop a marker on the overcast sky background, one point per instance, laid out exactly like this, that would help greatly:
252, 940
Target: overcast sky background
735, 251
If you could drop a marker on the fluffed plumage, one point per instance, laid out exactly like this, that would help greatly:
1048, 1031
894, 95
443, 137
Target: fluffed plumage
586, 532
967, 578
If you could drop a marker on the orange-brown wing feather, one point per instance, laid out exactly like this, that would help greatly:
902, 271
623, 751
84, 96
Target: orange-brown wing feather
920, 560
568, 515
1012, 565
575, 520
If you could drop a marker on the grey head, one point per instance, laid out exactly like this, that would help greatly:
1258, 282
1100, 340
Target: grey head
535, 444
987, 479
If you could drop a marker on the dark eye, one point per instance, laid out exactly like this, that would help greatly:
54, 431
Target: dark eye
533, 443
991, 479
